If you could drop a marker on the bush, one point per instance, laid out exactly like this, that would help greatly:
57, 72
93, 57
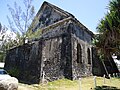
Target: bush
14, 72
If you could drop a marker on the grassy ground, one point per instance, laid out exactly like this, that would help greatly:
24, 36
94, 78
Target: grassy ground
85, 84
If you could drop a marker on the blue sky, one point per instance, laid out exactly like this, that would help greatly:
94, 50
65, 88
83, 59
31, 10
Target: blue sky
88, 12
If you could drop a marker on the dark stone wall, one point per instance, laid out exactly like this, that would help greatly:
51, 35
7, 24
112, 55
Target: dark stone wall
83, 38
66, 58
81, 32
51, 54
56, 53
25, 60
83, 68
55, 58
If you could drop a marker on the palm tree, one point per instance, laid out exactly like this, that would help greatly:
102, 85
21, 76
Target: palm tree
109, 30
108, 40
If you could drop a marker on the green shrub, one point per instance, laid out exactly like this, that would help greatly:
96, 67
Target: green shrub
14, 72
32, 35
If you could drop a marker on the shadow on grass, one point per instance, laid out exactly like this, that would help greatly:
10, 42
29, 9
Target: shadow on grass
106, 88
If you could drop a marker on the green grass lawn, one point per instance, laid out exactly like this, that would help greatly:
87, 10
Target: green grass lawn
86, 84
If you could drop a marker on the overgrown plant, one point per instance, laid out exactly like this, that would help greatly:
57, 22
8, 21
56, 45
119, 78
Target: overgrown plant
14, 72
21, 19
108, 39
33, 35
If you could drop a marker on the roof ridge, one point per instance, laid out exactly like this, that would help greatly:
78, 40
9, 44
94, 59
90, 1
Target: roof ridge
54, 7
59, 9
70, 16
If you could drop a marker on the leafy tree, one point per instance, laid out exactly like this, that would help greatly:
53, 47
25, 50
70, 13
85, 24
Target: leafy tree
3, 41
108, 40
21, 19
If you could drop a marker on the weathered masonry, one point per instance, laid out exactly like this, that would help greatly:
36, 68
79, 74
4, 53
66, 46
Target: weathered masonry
63, 49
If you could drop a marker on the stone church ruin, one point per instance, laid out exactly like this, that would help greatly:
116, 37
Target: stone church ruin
63, 50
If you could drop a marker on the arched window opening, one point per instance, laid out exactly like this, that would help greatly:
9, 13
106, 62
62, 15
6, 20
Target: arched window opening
79, 54
88, 54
